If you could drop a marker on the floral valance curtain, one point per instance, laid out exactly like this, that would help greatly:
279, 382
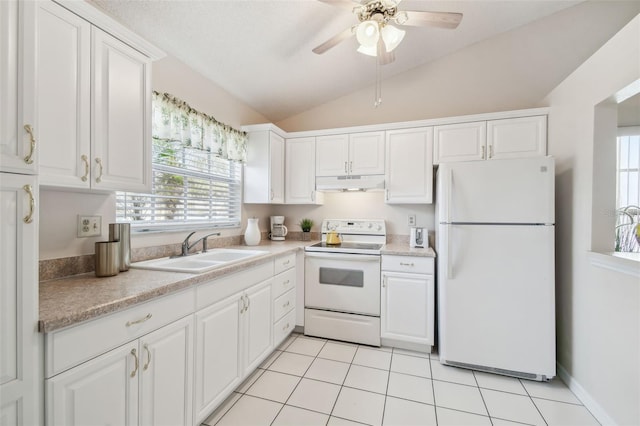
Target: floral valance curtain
174, 120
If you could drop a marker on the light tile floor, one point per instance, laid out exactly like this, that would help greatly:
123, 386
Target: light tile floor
309, 381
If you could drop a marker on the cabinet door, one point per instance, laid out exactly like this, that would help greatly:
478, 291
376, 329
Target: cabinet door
517, 137
366, 153
103, 391
19, 385
407, 307
17, 89
258, 325
217, 358
332, 155
64, 65
166, 369
121, 116
460, 142
276, 168
409, 168
300, 171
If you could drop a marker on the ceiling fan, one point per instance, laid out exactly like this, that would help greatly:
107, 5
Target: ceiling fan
375, 32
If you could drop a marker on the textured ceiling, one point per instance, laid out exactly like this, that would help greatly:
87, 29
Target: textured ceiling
260, 50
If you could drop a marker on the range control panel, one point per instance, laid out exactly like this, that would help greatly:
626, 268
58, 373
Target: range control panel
355, 226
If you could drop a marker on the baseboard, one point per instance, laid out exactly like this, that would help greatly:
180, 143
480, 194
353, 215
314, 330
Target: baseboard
587, 400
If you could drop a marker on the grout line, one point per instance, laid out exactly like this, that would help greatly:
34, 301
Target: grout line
534, 403
433, 391
482, 396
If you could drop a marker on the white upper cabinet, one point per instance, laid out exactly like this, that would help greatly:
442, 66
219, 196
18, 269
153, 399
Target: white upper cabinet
64, 106
93, 109
300, 171
332, 155
264, 169
490, 140
350, 154
121, 116
409, 166
460, 142
18, 128
366, 153
517, 137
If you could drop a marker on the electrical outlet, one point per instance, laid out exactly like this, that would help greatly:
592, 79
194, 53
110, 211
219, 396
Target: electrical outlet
412, 219
89, 226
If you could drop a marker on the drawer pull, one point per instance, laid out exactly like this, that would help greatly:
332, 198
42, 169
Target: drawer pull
146, 365
135, 357
285, 327
286, 304
138, 321
406, 264
86, 167
286, 263
286, 283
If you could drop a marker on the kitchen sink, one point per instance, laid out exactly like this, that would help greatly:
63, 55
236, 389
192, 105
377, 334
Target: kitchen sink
198, 263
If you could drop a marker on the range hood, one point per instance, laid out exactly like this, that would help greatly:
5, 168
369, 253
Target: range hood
350, 183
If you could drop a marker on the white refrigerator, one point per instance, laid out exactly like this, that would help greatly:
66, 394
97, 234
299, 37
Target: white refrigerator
495, 279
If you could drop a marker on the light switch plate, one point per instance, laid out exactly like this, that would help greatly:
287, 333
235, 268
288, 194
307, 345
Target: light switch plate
89, 226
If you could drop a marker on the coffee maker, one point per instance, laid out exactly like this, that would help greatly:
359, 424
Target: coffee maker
277, 231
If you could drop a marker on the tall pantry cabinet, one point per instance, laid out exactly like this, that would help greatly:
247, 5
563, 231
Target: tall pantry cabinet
53, 102
20, 375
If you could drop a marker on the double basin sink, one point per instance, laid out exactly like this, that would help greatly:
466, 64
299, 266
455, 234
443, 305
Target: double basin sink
199, 263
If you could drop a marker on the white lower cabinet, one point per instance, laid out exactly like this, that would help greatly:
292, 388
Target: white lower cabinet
407, 302
147, 381
232, 338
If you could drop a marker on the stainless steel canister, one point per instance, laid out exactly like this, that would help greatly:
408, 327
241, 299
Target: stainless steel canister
107, 258
121, 232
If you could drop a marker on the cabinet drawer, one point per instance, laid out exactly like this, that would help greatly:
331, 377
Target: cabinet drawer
415, 264
218, 289
283, 328
284, 304
71, 346
284, 282
285, 262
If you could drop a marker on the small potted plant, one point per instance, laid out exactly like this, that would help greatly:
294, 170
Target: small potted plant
305, 225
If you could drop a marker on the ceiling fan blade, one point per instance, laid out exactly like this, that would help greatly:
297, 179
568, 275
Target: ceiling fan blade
416, 18
333, 41
344, 4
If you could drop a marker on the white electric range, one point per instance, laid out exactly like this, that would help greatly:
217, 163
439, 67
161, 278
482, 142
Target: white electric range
342, 282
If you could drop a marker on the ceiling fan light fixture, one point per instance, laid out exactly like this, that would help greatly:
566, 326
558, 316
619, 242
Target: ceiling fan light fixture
392, 36
368, 50
368, 33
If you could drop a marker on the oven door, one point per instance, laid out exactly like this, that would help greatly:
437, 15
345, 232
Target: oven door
343, 282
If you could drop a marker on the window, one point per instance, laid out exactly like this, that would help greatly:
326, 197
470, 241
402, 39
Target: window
628, 190
196, 172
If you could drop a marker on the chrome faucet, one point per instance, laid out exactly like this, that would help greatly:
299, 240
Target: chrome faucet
186, 246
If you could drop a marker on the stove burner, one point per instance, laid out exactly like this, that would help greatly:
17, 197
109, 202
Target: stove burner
347, 245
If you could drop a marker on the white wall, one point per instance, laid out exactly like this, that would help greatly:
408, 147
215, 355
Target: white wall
598, 310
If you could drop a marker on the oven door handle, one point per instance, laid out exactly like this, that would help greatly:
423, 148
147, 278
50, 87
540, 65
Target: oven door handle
345, 256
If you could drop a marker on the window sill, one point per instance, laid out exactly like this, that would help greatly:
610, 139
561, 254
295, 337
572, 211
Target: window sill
625, 263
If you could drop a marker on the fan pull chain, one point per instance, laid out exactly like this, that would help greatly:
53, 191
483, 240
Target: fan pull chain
378, 89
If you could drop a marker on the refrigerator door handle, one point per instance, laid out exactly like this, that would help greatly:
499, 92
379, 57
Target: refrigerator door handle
449, 254
449, 195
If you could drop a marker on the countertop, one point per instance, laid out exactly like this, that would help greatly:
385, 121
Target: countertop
72, 300
403, 249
